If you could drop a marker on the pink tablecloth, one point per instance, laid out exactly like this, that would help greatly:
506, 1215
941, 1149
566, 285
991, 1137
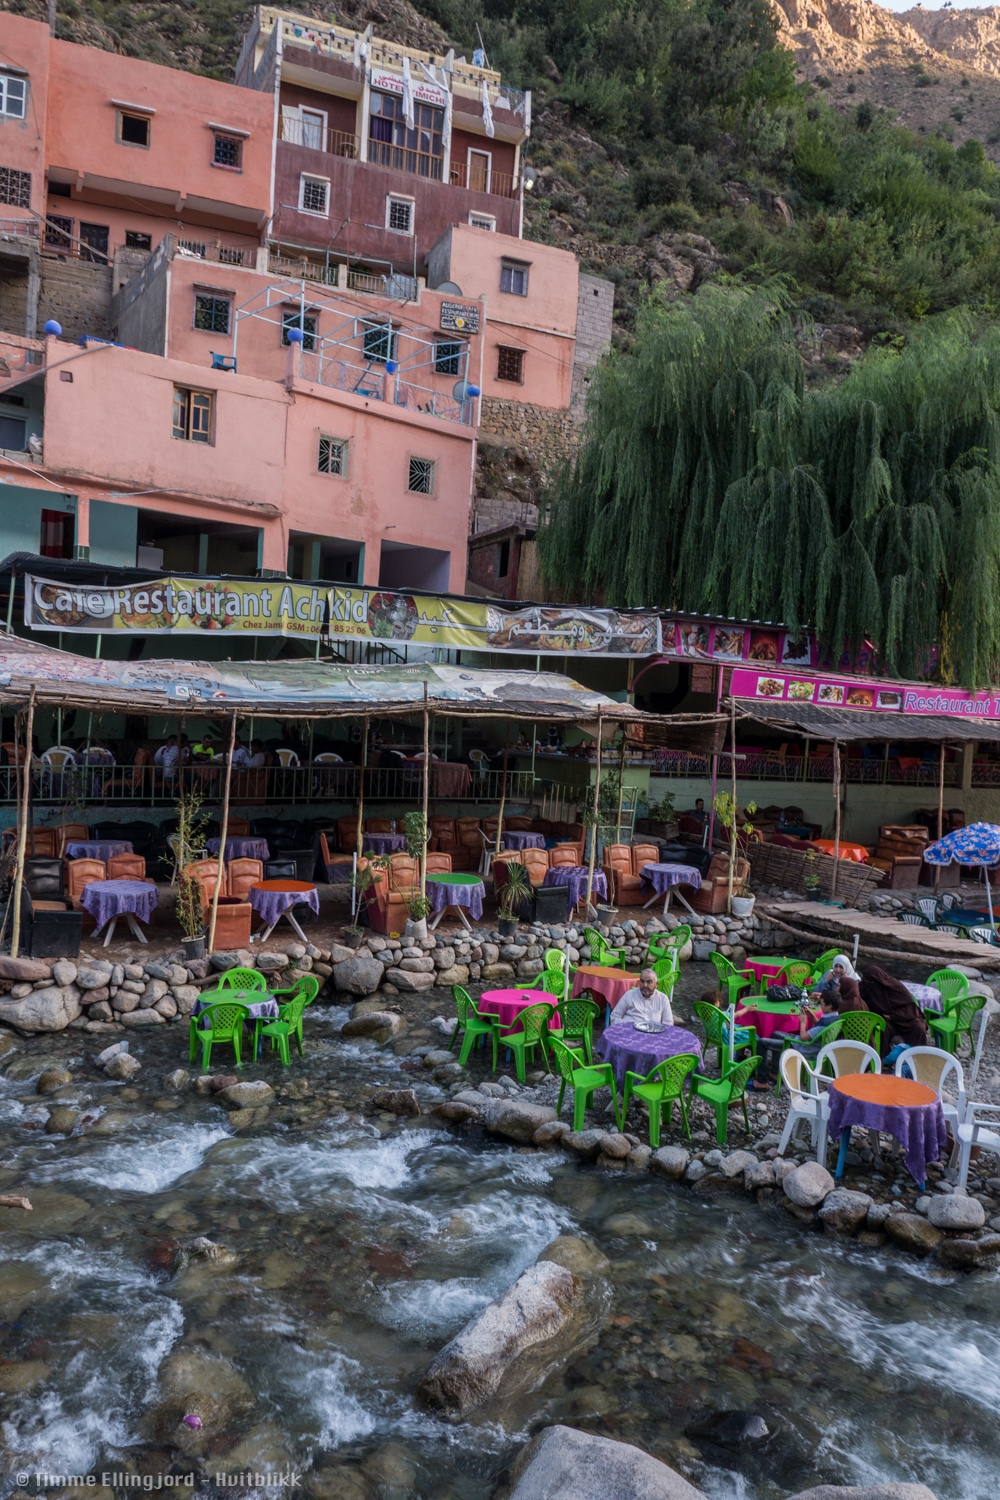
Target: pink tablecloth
765, 968
610, 984
765, 1023
508, 1004
450, 779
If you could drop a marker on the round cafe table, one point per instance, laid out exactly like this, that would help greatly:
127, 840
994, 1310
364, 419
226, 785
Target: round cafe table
107, 900
631, 1051
274, 899
507, 1005
900, 1107
383, 843
452, 892
663, 877
927, 996
770, 966
768, 1016
518, 840
240, 846
101, 849
601, 980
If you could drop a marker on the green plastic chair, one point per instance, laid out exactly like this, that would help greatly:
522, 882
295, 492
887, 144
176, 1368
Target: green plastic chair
824, 962
530, 1034
222, 1022
797, 972
715, 1022
666, 943
306, 984
659, 1089
666, 972
858, 1026
279, 1032
243, 979
577, 1016
555, 959
730, 978
720, 1092
956, 1021
953, 986
582, 1080
600, 953
548, 981
305, 990
473, 1024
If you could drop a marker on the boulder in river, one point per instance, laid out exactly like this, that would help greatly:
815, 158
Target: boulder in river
467, 1372
380, 1025
948, 1212
889, 1491
357, 976
808, 1185
396, 1101
730, 1429
49, 1009
515, 1120
246, 1095
562, 1463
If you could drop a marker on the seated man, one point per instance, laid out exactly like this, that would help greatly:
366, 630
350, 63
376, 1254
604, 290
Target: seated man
646, 1003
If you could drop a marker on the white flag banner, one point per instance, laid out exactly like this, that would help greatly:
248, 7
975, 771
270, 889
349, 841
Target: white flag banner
487, 112
407, 95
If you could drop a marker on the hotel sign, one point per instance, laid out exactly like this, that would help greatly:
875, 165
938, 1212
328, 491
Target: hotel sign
173, 605
460, 317
422, 89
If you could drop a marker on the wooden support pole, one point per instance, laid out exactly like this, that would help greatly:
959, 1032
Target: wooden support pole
621, 788
361, 814
596, 810
22, 832
732, 828
836, 816
503, 790
940, 830
427, 782
223, 832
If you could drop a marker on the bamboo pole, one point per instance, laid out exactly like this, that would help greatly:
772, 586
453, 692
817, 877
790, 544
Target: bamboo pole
503, 790
22, 833
361, 813
836, 816
223, 831
940, 832
621, 788
427, 780
593, 831
732, 768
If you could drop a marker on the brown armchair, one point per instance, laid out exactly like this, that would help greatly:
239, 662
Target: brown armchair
624, 886
378, 825
714, 891
128, 867
80, 873
900, 854
347, 834
536, 862
442, 833
564, 854
439, 863
243, 875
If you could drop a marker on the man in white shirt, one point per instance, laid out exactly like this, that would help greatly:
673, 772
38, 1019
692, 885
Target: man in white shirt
241, 755
646, 1003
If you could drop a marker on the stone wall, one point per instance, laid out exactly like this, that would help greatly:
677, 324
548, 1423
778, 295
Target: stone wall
594, 319
549, 436
77, 293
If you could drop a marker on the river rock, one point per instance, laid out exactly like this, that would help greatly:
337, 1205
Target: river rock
124, 1001
583, 1142
186, 996
380, 1025
911, 1232
615, 1146
467, 1372
143, 1017
457, 974
52, 1079
457, 1111
62, 1122
248, 1095
357, 976
551, 1133
562, 1463
100, 1012
843, 1211
396, 1101
193, 1383
890, 1491
670, 1161
760, 1176
28, 970
737, 1163
64, 971
122, 1066
498, 975
93, 976
515, 1120
576, 1254
21, 1376
731, 1429
409, 984
808, 1185
943, 1212
176, 1080
49, 1009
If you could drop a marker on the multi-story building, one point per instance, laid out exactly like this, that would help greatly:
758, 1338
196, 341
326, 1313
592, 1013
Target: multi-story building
311, 289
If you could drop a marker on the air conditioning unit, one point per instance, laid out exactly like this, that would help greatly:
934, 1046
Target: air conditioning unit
149, 557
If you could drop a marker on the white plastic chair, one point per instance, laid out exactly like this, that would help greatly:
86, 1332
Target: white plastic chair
806, 1105
54, 763
984, 935
177, 850
486, 858
847, 1057
326, 758
973, 1132
288, 758
932, 1066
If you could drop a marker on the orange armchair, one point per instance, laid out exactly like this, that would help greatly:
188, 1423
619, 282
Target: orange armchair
536, 862
439, 863
347, 834
128, 867
624, 887
79, 873
243, 874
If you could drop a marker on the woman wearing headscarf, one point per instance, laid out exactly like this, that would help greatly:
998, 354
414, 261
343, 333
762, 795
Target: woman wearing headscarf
889, 997
844, 997
841, 968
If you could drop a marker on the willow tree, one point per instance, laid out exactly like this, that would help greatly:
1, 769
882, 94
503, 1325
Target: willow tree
710, 480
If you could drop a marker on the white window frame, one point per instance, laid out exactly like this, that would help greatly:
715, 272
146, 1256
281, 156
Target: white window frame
8, 77
412, 458
312, 177
390, 199
482, 221
478, 151
318, 114
523, 267
345, 457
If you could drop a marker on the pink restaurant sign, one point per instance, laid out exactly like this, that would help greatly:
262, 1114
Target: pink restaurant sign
832, 691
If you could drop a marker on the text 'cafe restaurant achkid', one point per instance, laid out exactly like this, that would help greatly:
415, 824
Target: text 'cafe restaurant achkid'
715, 687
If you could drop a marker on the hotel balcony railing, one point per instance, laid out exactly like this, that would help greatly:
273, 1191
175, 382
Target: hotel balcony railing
398, 158
497, 184
765, 765
316, 138
372, 382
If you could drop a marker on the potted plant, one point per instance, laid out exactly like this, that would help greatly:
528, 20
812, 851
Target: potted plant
189, 916
660, 817
728, 814
418, 909
810, 875
514, 894
743, 900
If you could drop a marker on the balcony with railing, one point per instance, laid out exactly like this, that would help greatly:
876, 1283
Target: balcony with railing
773, 765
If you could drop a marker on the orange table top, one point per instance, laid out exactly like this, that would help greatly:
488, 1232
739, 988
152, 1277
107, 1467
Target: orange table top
884, 1088
284, 885
605, 971
856, 852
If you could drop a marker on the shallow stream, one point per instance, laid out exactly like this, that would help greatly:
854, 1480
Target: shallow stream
361, 1252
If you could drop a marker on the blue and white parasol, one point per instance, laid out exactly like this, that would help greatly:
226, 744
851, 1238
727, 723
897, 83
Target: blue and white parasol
979, 844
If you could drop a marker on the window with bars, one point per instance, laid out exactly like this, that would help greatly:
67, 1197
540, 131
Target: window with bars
399, 215
314, 194
380, 343
58, 232
133, 130
13, 93
293, 317
94, 239
391, 144
211, 312
510, 364
228, 151
332, 456
421, 476
230, 256
192, 415
514, 277
447, 357
15, 187
194, 247
136, 240
483, 221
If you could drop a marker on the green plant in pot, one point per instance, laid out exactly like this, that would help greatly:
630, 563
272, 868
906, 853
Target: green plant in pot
810, 874
513, 896
728, 814
189, 917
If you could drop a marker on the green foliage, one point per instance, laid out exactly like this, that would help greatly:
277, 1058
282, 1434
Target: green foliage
711, 480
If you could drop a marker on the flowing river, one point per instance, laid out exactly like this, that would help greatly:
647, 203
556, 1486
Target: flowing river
362, 1247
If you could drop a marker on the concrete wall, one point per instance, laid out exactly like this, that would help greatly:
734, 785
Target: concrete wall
25, 44
138, 312
77, 294
594, 324
113, 533
21, 516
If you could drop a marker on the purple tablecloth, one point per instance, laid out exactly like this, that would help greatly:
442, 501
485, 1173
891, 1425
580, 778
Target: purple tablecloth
340, 872
270, 905
631, 1051
919, 1129
240, 846
265, 1009
105, 899
440, 895
575, 876
926, 995
101, 849
523, 840
382, 843
662, 877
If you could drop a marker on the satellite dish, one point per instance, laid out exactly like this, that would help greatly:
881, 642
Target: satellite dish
463, 391
451, 287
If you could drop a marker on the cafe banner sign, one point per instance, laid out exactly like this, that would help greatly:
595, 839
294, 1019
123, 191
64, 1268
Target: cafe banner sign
471, 625
834, 691
170, 606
